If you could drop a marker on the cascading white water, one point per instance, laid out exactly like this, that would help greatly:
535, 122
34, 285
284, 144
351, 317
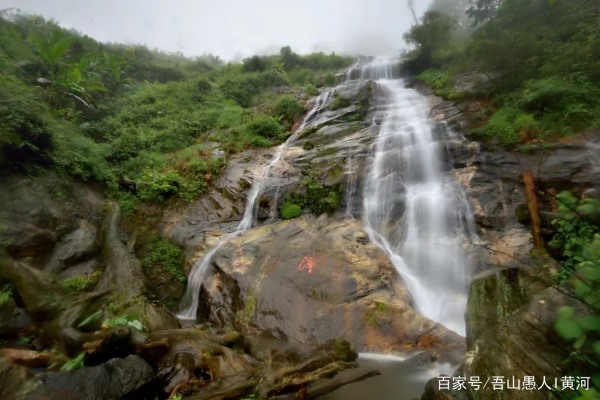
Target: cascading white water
189, 305
321, 102
350, 186
412, 209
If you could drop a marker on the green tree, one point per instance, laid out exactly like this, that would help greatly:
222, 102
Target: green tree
430, 37
289, 58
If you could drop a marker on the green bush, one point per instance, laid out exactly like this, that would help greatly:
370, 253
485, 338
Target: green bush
578, 239
290, 210
261, 142
164, 254
316, 198
510, 126
265, 126
288, 108
155, 186
311, 90
435, 78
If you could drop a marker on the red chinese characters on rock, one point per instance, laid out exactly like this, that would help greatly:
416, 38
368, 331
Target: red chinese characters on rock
307, 263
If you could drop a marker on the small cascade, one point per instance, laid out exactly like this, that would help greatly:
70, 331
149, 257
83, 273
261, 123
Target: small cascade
350, 186
374, 68
321, 102
189, 305
412, 209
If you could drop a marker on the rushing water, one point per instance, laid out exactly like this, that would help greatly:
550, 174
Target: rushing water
189, 305
412, 208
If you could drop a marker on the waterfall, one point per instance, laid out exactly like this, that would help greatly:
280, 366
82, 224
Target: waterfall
412, 209
189, 305
320, 103
350, 186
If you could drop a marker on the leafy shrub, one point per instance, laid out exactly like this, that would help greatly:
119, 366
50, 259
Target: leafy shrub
288, 108
311, 90
574, 231
329, 79
25, 133
265, 126
578, 238
164, 254
318, 199
242, 89
435, 78
321, 199
290, 210
271, 78
511, 127
127, 203
159, 186
259, 141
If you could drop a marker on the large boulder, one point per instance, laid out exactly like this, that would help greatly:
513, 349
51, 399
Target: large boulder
114, 380
75, 247
311, 280
38, 212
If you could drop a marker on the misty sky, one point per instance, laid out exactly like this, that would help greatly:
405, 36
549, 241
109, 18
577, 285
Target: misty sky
234, 29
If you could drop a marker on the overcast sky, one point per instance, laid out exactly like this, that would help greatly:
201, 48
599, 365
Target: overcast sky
234, 29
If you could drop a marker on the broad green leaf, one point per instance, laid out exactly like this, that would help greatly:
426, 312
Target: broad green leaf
580, 341
565, 312
591, 323
568, 328
89, 319
136, 324
75, 74
590, 272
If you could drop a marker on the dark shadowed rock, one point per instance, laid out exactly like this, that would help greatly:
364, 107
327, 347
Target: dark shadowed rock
116, 379
37, 212
74, 247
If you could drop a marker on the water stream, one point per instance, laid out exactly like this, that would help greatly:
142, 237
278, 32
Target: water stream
189, 304
412, 208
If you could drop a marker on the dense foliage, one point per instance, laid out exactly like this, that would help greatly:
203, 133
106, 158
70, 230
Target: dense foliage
147, 125
578, 241
539, 61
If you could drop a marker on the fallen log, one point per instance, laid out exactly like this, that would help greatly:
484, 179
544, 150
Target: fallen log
28, 358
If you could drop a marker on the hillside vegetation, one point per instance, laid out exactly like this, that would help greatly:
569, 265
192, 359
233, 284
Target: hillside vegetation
145, 124
538, 60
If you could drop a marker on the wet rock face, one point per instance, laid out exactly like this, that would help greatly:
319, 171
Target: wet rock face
116, 379
37, 213
309, 281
